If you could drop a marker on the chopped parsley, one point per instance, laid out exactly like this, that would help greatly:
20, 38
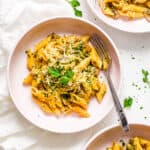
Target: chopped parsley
77, 12
145, 77
128, 102
64, 80
65, 96
136, 85
54, 72
75, 4
79, 47
66, 77
141, 107
69, 73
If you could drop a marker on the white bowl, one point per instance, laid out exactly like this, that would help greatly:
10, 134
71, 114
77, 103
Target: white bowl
132, 26
17, 71
106, 137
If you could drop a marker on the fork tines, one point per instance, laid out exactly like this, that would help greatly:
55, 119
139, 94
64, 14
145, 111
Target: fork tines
100, 47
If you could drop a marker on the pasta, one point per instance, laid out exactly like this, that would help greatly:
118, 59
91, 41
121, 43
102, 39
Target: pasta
63, 74
135, 143
132, 9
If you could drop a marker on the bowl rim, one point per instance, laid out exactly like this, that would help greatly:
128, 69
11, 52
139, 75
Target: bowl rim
112, 26
108, 129
43, 22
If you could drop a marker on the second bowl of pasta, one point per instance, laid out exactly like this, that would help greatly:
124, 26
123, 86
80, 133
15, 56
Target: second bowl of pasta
126, 15
113, 138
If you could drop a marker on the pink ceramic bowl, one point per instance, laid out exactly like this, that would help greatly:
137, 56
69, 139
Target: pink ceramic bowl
17, 71
106, 137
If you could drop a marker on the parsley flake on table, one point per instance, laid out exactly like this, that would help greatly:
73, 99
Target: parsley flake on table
128, 102
74, 4
141, 107
145, 77
77, 12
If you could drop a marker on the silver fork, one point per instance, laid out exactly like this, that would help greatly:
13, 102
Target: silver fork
105, 56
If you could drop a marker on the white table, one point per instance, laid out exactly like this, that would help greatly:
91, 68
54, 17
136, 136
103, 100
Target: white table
17, 133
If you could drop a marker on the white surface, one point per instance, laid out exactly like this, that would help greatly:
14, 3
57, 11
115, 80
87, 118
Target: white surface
133, 26
15, 17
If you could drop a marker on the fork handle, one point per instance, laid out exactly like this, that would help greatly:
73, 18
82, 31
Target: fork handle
118, 106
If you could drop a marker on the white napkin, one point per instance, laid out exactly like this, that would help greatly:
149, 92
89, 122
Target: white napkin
16, 16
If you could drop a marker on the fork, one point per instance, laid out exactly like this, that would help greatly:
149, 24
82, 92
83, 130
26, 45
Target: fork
106, 57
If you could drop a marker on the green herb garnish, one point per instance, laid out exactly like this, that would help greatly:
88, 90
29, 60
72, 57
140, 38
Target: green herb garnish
74, 4
145, 77
79, 47
128, 102
69, 73
64, 80
65, 96
77, 12
66, 77
54, 72
141, 107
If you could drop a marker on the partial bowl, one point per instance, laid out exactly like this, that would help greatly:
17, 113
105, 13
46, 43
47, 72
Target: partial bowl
106, 137
17, 71
131, 26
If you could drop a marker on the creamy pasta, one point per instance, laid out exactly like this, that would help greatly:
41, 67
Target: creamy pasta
63, 74
132, 9
135, 143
